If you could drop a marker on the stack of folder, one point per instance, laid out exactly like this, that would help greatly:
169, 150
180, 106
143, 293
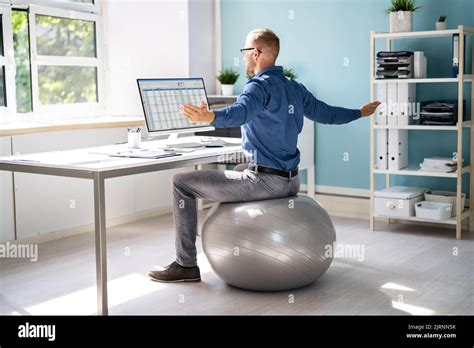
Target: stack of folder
439, 164
439, 113
395, 65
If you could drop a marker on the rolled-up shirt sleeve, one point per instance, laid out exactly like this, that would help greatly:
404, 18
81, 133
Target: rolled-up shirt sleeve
245, 109
318, 111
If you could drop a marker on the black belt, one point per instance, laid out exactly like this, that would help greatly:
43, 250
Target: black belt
269, 170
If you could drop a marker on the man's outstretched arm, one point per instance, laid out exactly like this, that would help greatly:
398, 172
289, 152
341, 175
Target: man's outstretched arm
247, 107
318, 111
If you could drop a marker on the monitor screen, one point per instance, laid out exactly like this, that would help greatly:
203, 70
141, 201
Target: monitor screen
161, 99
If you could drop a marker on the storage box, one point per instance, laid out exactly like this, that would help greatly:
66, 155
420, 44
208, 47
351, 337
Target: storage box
445, 197
433, 210
397, 201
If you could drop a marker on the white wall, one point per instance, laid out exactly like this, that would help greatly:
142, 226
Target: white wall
143, 39
202, 42
159, 38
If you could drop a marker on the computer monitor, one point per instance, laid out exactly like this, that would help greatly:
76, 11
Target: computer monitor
161, 99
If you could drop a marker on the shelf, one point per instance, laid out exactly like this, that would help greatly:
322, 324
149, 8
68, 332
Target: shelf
465, 124
467, 78
461, 81
415, 171
450, 221
420, 34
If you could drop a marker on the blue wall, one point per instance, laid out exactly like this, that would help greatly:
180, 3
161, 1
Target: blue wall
316, 38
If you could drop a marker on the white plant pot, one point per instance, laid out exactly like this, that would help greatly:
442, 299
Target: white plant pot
401, 21
440, 25
227, 90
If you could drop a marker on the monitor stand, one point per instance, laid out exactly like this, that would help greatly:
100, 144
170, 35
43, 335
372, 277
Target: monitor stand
172, 137
173, 143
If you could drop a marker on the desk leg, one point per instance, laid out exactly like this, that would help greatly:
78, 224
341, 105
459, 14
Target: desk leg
200, 202
100, 244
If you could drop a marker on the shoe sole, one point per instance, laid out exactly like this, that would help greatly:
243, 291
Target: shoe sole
195, 280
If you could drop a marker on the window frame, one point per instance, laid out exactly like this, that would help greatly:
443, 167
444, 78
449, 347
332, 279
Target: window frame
7, 61
85, 8
73, 110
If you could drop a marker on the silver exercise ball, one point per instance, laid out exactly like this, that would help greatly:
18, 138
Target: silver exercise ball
269, 245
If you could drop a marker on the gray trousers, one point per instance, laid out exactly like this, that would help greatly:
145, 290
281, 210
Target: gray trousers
240, 185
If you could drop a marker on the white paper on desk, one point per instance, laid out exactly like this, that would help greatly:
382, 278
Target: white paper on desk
136, 153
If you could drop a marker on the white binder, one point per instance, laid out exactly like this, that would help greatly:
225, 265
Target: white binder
420, 65
397, 149
392, 101
382, 149
381, 112
406, 106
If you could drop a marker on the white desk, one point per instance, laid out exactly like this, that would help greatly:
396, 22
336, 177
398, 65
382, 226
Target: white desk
81, 163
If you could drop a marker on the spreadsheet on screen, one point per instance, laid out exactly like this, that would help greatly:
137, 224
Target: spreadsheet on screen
162, 98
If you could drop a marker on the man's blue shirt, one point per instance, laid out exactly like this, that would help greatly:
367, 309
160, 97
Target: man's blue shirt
270, 112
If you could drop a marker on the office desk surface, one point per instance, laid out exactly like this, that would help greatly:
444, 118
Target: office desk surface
84, 162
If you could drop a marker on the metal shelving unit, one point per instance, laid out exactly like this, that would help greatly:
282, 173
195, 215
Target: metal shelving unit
461, 79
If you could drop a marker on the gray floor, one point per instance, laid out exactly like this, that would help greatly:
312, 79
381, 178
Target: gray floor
406, 269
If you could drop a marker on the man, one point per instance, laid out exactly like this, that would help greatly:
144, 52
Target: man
270, 111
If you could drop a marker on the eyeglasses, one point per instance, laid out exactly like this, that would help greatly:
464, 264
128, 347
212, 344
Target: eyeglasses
244, 50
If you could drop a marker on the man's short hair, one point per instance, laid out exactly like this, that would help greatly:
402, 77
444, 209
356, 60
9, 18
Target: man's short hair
266, 38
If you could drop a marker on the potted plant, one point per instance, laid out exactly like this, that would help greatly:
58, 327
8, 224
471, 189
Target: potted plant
290, 73
227, 78
401, 15
441, 23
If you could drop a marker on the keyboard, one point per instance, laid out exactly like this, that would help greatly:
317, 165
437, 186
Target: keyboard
204, 142
213, 142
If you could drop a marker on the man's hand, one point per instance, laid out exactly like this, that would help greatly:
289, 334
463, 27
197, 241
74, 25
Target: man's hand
369, 109
197, 113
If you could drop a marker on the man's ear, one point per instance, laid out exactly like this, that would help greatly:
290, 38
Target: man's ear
256, 54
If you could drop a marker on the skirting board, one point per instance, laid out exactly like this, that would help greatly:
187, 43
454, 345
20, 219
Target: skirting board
339, 191
342, 201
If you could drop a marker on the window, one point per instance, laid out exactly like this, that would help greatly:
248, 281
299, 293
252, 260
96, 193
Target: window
64, 61
7, 67
57, 57
21, 49
62, 78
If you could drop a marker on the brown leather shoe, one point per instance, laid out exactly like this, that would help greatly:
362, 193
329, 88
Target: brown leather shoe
174, 273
